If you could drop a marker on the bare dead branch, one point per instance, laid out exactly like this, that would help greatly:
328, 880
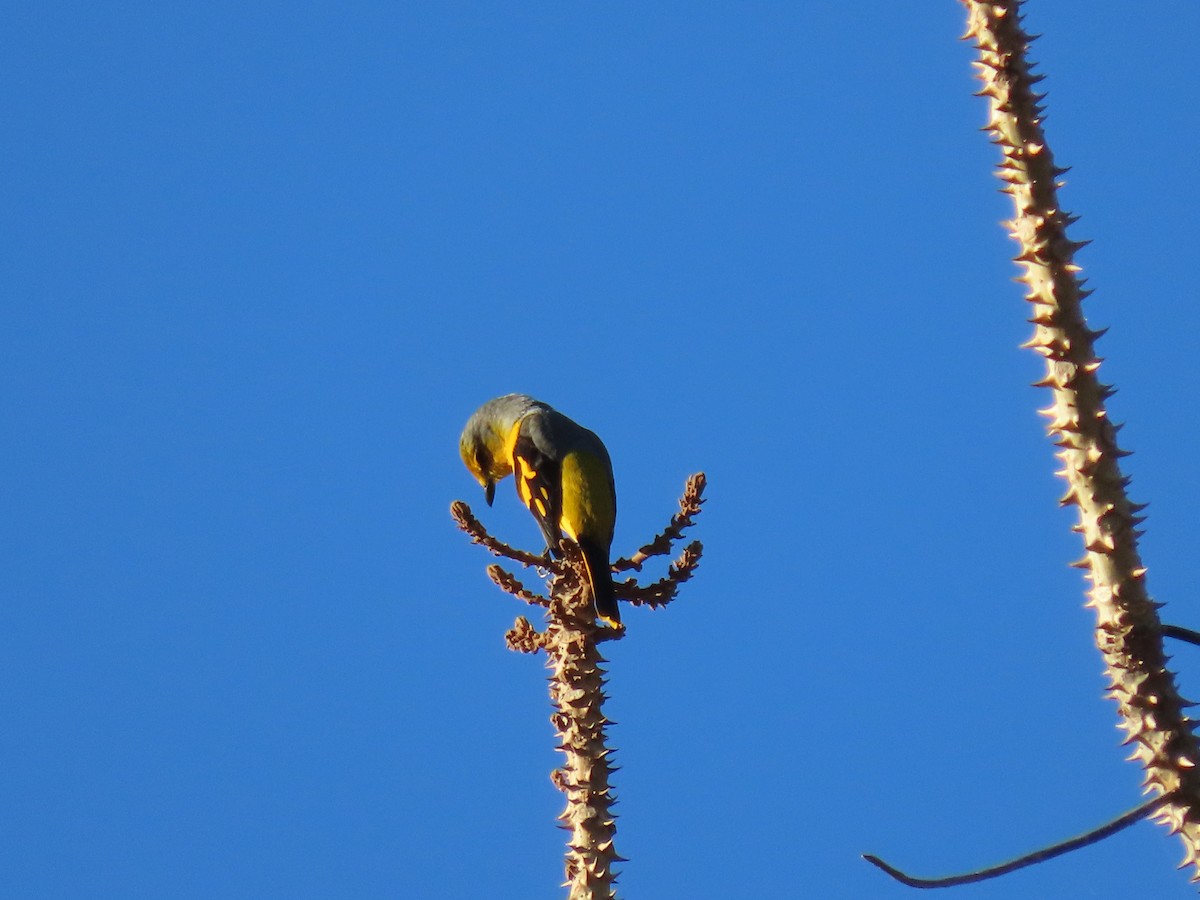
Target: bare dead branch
577, 692
663, 591
1038, 856
523, 637
465, 519
689, 508
577, 677
508, 582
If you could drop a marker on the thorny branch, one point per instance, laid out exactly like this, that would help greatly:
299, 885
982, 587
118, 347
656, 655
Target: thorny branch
507, 582
663, 591
577, 677
689, 508
523, 637
1128, 631
466, 521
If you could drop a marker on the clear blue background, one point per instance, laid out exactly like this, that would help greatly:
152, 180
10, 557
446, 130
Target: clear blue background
261, 261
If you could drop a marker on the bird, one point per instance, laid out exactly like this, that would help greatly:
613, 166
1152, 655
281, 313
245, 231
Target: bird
563, 476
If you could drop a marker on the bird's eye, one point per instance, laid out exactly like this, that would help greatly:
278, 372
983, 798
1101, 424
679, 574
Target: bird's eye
481, 460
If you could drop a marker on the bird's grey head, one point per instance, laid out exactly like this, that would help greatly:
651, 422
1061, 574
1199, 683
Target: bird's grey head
482, 443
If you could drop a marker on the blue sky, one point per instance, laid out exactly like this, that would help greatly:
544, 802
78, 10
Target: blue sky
261, 262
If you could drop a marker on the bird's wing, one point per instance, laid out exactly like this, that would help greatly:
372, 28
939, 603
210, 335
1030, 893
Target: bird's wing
538, 472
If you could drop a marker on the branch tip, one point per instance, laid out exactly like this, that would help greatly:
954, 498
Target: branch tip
689, 508
466, 521
1120, 823
508, 582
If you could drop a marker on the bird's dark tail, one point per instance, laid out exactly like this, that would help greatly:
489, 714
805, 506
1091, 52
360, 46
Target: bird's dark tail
600, 580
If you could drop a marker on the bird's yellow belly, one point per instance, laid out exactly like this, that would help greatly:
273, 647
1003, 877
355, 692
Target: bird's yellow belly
587, 505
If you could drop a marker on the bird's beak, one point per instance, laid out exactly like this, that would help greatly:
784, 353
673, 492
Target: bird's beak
489, 491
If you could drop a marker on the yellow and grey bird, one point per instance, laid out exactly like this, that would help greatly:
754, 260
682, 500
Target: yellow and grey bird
563, 475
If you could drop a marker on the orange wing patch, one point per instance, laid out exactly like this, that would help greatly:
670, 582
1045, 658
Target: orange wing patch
534, 489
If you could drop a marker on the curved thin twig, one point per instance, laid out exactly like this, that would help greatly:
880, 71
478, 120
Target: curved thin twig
1181, 634
1098, 834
